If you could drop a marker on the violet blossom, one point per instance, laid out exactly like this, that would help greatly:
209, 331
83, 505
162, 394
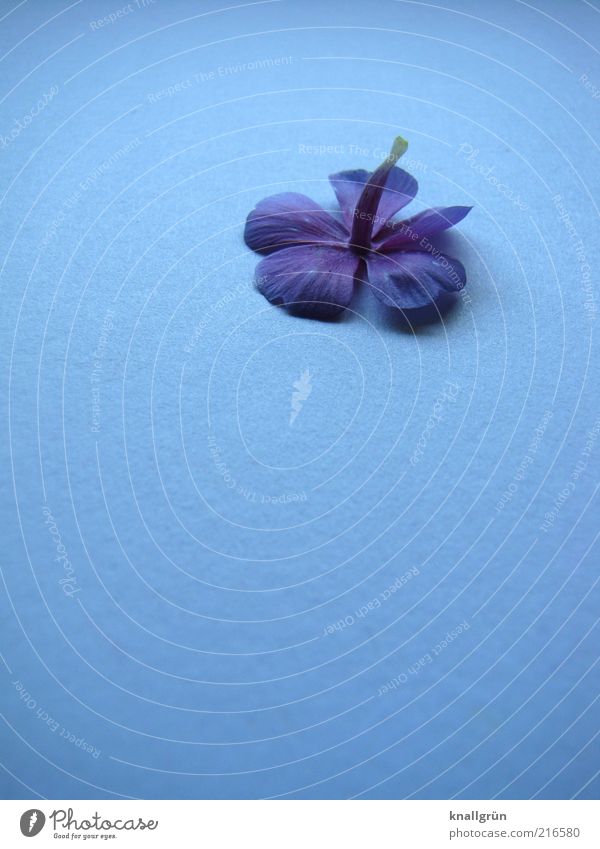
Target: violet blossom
314, 260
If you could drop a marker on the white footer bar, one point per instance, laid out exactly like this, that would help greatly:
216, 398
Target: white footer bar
302, 824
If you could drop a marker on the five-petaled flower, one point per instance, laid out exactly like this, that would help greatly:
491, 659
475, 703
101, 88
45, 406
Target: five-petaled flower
313, 260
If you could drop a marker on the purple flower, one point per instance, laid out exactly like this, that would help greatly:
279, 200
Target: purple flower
313, 260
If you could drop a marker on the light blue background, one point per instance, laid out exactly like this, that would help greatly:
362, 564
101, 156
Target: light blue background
194, 655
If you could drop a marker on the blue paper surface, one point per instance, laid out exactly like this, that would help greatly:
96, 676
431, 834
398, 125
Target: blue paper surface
392, 593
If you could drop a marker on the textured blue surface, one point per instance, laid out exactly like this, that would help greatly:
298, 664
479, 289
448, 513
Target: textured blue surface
202, 600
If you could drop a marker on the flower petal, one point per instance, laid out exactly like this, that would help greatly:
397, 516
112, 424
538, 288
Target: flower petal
348, 186
414, 279
400, 188
290, 218
426, 223
311, 280
367, 214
